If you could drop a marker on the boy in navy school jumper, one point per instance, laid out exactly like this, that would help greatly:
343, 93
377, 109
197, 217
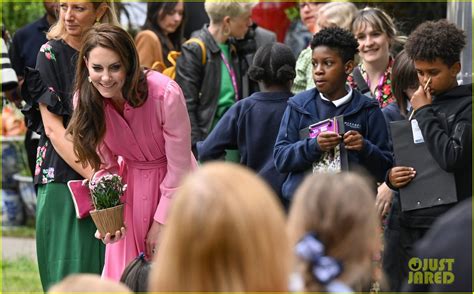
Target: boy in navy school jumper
366, 134
444, 115
251, 125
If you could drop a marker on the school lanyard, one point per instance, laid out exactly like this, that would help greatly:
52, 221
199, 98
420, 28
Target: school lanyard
232, 76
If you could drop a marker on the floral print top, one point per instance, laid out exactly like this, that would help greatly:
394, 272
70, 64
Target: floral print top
50, 84
383, 92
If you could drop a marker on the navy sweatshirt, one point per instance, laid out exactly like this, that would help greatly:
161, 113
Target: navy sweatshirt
296, 156
250, 125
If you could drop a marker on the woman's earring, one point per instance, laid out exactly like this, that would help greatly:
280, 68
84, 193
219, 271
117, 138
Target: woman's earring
226, 33
89, 79
97, 21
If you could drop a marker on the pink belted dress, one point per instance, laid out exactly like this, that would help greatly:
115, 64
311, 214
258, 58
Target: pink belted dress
154, 142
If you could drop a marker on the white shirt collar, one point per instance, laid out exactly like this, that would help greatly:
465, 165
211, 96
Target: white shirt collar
340, 101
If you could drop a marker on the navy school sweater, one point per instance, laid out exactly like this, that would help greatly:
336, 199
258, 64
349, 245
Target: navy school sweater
251, 126
295, 156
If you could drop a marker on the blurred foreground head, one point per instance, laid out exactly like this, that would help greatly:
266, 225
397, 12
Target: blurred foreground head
339, 210
88, 283
225, 233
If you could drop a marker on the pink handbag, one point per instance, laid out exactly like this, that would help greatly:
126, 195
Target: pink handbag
81, 197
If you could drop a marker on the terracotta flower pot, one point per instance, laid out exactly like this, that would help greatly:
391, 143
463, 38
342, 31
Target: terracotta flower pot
108, 220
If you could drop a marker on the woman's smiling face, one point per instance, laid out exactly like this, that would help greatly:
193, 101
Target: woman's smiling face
107, 72
374, 45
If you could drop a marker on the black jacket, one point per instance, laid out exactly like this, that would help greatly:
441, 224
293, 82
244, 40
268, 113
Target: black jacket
201, 83
446, 125
450, 237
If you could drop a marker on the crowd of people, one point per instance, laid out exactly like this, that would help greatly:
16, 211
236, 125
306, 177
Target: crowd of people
270, 218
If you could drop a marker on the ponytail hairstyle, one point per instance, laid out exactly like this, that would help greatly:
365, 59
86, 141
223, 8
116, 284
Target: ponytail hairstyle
335, 212
87, 125
136, 274
273, 64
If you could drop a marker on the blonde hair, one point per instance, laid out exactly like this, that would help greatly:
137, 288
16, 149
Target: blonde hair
218, 9
379, 20
58, 32
340, 210
225, 232
88, 283
339, 14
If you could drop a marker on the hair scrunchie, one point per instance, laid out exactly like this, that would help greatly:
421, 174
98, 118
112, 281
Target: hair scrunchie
324, 268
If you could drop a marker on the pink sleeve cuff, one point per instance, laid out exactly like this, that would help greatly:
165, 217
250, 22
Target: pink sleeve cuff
162, 210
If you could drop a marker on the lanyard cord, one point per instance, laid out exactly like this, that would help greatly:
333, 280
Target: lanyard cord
232, 76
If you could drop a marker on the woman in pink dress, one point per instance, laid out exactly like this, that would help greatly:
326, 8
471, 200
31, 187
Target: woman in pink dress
140, 117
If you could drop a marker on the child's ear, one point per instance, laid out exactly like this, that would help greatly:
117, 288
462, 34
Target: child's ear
349, 67
455, 69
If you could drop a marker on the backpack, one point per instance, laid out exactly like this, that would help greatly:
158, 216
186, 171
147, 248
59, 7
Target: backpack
173, 57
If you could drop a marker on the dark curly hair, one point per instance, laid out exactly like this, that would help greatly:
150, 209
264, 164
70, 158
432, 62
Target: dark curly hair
337, 39
436, 39
273, 64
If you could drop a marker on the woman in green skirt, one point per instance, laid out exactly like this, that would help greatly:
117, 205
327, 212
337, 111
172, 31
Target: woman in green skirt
64, 243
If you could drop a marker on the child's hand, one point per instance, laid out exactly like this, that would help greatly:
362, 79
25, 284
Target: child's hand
383, 201
421, 97
400, 176
353, 140
328, 140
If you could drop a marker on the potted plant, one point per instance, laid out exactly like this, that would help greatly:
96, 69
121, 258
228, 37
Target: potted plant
108, 213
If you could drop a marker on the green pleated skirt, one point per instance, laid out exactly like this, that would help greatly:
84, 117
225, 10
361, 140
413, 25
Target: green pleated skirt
64, 244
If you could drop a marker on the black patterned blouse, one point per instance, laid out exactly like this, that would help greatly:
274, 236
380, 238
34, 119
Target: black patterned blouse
51, 83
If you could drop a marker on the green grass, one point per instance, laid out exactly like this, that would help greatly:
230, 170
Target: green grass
19, 232
21, 275
25, 231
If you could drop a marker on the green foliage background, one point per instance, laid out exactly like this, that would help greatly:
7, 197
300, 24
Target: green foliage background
17, 14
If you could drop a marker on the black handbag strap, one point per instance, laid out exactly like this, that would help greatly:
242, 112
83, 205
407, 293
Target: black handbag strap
360, 81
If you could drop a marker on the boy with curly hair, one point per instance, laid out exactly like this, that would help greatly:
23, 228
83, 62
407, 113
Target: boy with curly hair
365, 137
444, 115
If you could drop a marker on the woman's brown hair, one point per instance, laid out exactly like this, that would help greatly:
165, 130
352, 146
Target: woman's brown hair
404, 77
87, 125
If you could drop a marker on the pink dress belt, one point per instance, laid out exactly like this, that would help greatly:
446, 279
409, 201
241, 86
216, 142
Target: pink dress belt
146, 165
